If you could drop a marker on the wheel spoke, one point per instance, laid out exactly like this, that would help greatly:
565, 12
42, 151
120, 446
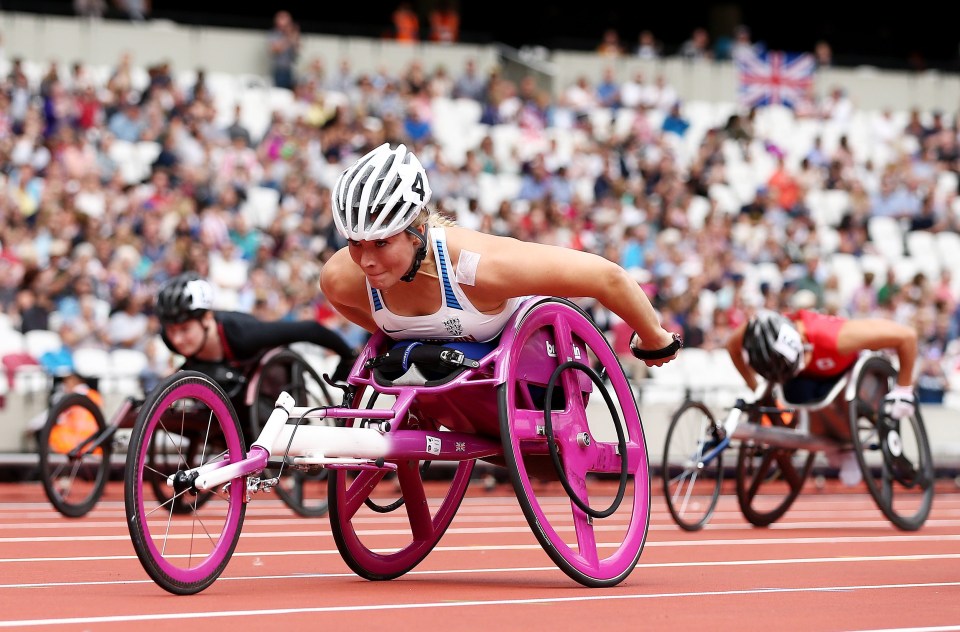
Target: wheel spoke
686, 483
586, 538
415, 500
788, 468
760, 473
360, 489
562, 337
603, 458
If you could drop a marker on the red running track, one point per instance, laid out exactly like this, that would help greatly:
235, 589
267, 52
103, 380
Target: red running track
832, 563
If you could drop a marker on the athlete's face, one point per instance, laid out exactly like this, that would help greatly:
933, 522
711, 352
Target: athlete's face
384, 261
187, 338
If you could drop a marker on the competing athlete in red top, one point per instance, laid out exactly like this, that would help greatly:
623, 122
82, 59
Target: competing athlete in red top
804, 343
803, 350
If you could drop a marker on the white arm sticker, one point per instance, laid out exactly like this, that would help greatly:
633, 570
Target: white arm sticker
467, 267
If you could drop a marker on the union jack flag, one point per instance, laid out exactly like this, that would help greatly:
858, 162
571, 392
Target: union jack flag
775, 77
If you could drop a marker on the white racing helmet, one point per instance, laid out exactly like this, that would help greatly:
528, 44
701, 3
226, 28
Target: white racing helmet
380, 195
184, 297
774, 346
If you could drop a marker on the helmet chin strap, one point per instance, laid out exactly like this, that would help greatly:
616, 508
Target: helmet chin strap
420, 255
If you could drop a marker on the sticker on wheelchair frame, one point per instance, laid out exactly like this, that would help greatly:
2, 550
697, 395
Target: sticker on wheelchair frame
552, 350
433, 445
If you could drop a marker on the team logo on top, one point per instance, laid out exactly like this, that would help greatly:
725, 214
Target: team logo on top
825, 364
453, 326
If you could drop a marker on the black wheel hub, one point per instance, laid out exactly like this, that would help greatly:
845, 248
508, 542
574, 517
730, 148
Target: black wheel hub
183, 482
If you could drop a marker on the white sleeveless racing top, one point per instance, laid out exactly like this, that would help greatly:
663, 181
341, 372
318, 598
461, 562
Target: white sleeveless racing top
457, 318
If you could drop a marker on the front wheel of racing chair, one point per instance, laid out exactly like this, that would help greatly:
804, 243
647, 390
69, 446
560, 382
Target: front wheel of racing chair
304, 491
769, 478
894, 456
573, 445
186, 421
691, 484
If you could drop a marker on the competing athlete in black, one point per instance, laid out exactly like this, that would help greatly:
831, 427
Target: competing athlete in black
204, 336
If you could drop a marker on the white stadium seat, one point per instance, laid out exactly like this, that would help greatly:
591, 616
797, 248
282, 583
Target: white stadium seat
40, 341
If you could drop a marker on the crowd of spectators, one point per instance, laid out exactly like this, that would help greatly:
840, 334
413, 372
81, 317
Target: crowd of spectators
83, 249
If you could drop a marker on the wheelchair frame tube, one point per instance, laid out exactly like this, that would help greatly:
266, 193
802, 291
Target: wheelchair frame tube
218, 473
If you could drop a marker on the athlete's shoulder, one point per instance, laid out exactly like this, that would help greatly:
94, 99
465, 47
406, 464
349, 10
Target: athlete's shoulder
226, 317
340, 272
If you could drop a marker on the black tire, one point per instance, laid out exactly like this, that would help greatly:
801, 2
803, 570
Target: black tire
902, 486
302, 491
691, 489
74, 483
769, 479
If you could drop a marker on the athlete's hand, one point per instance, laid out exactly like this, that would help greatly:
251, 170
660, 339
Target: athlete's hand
900, 402
656, 352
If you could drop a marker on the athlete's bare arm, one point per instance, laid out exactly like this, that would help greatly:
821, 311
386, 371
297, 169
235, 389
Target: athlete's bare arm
510, 267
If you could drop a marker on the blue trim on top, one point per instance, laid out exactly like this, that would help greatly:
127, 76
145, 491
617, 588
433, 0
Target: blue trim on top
406, 354
451, 298
377, 303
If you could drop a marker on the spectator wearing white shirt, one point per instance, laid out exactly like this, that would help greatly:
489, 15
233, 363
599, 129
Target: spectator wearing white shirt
662, 95
579, 97
635, 91
229, 272
647, 46
743, 47
884, 129
837, 107
128, 326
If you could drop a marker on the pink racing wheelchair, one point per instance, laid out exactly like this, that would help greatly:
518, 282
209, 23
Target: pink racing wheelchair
549, 401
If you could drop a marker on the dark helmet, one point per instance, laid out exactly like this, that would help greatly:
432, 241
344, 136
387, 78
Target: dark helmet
184, 297
773, 344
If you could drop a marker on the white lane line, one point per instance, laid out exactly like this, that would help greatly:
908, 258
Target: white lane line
529, 569
796, 520
181, 616
844, 504
893, 536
